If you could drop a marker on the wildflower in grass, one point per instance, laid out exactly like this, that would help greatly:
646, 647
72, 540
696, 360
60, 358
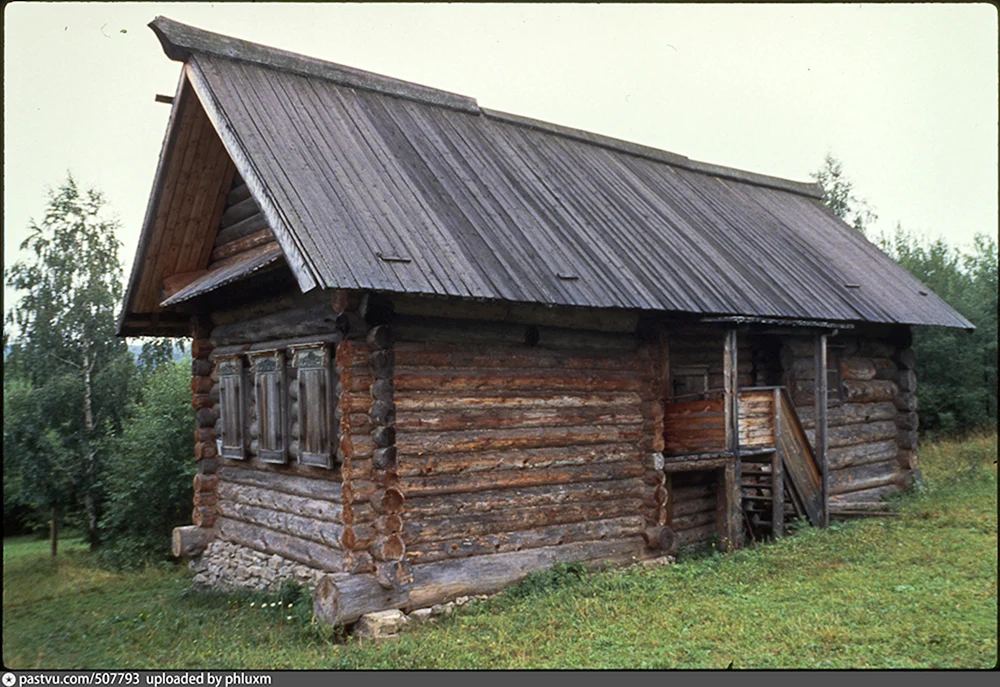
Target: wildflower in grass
288, 618
252, 604
289, 605
273, 604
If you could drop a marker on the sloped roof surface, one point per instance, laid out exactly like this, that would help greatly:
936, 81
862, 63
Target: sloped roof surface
401, 188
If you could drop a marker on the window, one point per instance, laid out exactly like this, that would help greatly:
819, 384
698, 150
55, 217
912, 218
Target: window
232, 408
688, 380
269, 386
314, 400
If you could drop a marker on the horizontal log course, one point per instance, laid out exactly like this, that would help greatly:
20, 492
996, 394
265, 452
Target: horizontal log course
318, 531
412, 465
460, 483
205, 483
501, 417
865, 477
885, 368
419, 508
850, 414
515, 380
872, 391
239, 192
692, 492
297, 485
503, 542
264, 540
320, 510
694, 506
861, 369
513, 519
850, 435
872, 494
239, 211
281, 302
358, 513
314, 319
243, 244
412, 356
427, 401
861, 454
532, 437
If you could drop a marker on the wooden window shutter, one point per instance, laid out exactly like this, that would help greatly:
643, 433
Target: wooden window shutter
269, 385
315, 405
232, 408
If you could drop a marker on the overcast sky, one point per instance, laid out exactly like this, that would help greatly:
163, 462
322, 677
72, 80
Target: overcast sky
904, 95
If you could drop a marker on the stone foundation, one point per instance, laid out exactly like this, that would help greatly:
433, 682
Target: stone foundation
224, 565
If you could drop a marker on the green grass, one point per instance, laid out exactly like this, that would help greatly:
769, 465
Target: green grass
918, 590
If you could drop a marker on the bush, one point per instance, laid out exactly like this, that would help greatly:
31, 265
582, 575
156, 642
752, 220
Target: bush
148, 471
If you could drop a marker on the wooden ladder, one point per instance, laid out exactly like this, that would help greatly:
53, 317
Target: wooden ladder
788, 469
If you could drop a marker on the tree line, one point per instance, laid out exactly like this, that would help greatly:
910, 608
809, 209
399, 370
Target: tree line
102, 440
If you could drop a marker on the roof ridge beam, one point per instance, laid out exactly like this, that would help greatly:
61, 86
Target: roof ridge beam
179, 41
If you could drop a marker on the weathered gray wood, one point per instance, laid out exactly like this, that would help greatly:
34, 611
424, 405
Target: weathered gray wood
820, 444
321, 487
314, 319
777, 477
250, 225
850, 414
660, 537
319, 531
265, 540
384, 458
317, 509
866, 477
380, 337
413, 465
239, 211
190, 541
862, 454
394, 575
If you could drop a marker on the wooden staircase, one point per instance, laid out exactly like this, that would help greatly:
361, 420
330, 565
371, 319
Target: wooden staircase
776, 460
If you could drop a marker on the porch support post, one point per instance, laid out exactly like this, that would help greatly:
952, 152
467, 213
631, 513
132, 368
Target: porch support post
820, 442
734, 516
777, 473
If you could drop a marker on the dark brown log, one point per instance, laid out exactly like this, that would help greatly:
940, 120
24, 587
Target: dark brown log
910, 421
503, 542
693, 506
271, 542
412, 465
190, 541
414, 356
906, 402
205, 498
388, 500
388, 548
245, 227
384, 458
358, 562
695, 534
384, 437
394, 575
238, 193
343, 300
876, 348
519, 438
907, 459
360, 512
239, 211
493, 500
204, 417
654, 478
502, 417
199, 401
380, 337
205, 450
298, 485
200, 368
440, 529
204, 516
850, 414
389, 524
242, 245
867, 433
885, 368
861, 369
351, 325
357, 537
515, 380
907, 439
457, 484
205, 482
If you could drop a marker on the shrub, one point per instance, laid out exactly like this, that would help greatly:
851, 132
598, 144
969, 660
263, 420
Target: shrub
148, 471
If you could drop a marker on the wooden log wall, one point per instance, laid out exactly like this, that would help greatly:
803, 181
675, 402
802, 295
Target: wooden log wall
870, 451
503, 446
242, 227
702, 345
204, 397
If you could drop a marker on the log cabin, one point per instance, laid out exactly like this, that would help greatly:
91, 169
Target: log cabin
436, 347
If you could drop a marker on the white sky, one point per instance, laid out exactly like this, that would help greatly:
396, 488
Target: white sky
904, 95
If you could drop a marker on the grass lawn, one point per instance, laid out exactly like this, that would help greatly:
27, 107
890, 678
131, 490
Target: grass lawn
918, 590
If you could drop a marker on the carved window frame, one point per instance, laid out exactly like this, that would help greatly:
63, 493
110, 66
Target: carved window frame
232, 387
316, 406
270, 389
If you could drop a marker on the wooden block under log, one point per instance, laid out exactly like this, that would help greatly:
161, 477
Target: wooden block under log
190, 541
910, 421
